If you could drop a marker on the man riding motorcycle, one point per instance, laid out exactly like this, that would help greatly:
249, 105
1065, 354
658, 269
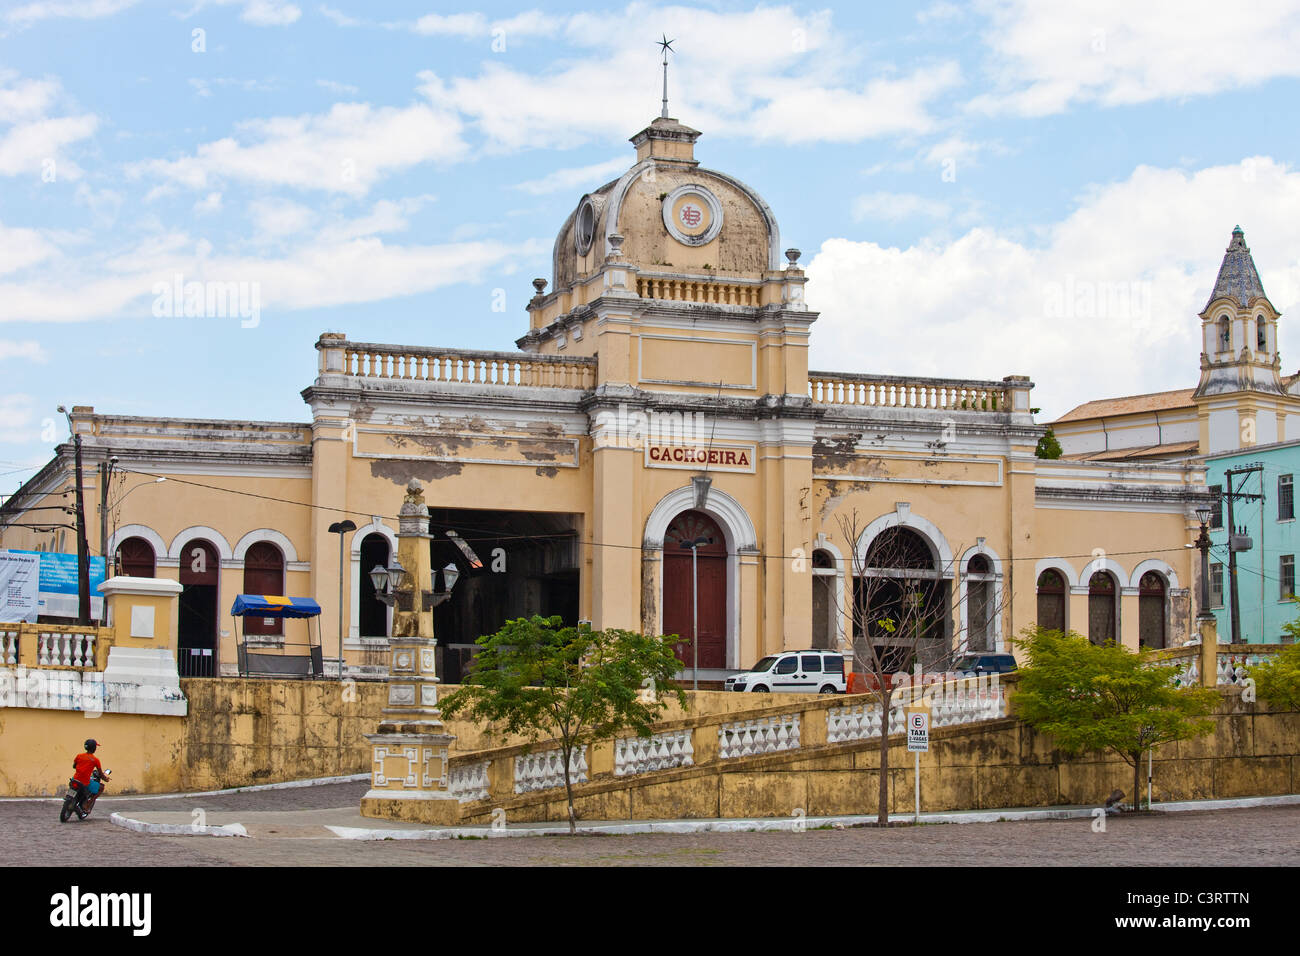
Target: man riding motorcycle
84, 766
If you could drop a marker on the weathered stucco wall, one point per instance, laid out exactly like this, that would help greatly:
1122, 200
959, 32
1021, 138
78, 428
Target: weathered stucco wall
988, 766
238, 733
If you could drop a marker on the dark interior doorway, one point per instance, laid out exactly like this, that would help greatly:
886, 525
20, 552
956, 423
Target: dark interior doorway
512, 564
372, 613
197, 624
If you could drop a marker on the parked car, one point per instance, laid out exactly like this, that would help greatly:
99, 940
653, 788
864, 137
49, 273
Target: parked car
982, 663
807, 672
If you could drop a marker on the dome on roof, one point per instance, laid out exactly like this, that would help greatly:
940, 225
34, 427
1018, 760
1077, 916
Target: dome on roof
674, 217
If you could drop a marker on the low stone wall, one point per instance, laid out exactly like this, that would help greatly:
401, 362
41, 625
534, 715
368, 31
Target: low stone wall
238, 732
988, 765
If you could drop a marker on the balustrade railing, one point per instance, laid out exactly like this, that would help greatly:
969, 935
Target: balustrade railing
62, 649
634, 755
759, 736
469, 781
464, 367
545, 769
1233, 667
887, 391
8, 648
862, 721
698, 290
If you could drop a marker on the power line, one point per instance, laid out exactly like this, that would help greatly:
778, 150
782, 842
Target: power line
489, 534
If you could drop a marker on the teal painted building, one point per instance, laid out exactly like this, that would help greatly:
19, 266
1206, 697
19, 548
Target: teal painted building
1266, 574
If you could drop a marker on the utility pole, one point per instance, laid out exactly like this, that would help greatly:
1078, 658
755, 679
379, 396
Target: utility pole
83, 549
1238, 541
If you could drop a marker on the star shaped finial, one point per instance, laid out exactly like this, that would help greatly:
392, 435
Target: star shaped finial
666, 44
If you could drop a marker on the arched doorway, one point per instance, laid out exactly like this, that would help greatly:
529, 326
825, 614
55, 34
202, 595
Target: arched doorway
1103, 616
900, 601
135, 558
372, 615
1051, 600
1151, 610
263, 574
679, 597
200, 567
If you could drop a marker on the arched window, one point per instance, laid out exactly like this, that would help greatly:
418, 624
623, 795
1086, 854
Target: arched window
135, 558
1261, 333
979, 604
900, 601
372, 613
1225, 334
825, 612
1103, 615
1051, 600
263, 574
1151, 610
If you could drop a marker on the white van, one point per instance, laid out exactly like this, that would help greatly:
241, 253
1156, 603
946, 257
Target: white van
806, 672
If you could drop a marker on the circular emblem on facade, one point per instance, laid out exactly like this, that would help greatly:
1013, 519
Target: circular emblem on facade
692, 215
584, 227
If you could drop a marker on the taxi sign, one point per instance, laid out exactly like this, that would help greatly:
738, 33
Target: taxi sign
918, 732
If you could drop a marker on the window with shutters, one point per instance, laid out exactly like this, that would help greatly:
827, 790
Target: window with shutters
264, 574
1286, 572
1285, 498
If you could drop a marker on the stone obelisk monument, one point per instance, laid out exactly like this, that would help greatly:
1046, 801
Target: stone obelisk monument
410, 749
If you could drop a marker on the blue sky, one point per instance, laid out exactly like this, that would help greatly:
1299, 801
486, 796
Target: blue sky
383, 169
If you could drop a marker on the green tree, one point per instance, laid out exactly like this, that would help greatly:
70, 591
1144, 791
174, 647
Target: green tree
539, 679
1090, 697
1048, 446
1277, 681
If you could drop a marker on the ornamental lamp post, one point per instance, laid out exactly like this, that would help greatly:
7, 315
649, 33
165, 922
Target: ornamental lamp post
341, 528
1203, 544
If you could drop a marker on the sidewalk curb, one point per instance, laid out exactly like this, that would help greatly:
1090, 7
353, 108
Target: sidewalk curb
740, 825
178, 829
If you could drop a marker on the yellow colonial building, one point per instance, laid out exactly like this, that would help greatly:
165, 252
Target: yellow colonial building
655, 453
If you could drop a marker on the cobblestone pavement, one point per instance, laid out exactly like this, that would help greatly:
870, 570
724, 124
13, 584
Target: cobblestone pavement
1261, 836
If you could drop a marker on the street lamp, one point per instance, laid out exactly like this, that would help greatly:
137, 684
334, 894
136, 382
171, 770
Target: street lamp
341, 528
450, 574
1203, 543
386, 580
693, 547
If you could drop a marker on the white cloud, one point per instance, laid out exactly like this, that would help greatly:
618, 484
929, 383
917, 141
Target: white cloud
28, 349
70, 9
30, 138
273, 218
455, 24
897, 207
778, 76
1050, 56
340, 89
574, 177
346, 150
269, 13
208, 204
985, 305
18, 418
260, 13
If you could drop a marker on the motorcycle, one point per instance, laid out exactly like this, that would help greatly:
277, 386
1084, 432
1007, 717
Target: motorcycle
81, 800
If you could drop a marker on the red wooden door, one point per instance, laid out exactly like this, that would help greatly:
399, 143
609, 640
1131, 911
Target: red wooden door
712, 586
263, 574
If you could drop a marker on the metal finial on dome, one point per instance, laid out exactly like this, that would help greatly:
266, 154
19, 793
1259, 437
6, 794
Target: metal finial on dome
793, 255
667, 46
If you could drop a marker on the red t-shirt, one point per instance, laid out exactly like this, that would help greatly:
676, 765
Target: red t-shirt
82, 765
